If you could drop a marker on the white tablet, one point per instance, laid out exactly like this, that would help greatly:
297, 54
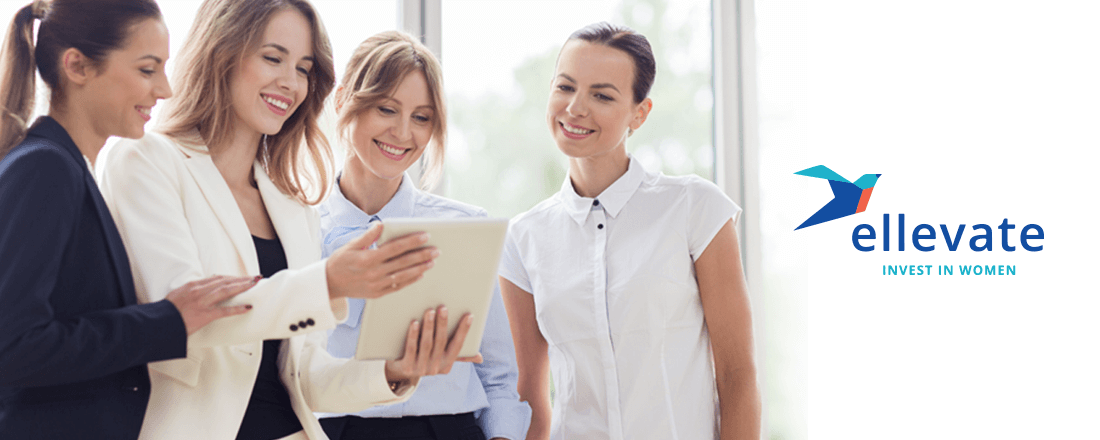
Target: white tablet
462, 279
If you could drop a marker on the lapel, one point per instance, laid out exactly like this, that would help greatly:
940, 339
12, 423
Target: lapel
291, 221
48, 128
221, 201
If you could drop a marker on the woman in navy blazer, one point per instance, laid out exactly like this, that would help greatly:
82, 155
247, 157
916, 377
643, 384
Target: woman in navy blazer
73, 340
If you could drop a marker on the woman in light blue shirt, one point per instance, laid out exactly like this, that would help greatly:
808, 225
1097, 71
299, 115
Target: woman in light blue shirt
391, 111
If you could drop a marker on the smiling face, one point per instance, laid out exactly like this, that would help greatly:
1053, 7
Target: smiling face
273, 80
129, 82
591, 109
392, 135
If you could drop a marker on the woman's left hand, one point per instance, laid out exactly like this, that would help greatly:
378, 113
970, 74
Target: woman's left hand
428, 352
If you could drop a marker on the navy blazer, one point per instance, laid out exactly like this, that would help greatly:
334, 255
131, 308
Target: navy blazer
73, 340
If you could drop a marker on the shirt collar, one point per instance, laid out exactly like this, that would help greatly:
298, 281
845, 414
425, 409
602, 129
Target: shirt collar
612, 199
400, 205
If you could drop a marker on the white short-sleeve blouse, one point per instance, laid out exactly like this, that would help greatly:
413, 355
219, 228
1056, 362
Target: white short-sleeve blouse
616, 298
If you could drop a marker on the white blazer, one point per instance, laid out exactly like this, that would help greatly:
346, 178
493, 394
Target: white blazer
180, 223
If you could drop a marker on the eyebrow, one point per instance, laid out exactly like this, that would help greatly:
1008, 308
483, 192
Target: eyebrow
152, 57
285, 51
593, 86
398, 101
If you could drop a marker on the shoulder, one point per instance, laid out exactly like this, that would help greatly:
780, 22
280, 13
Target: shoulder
539, 216
687, 189
154, 146
444, 207
37, 159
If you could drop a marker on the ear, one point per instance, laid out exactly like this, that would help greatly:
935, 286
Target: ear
641, 112
75, 67
339, 98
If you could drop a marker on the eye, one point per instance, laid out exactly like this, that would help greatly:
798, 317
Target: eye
387, 110
565, 88
422, 119
148, 72
272, 59
304, 71
603, 97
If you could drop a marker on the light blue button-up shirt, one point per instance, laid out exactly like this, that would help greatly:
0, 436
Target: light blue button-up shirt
488, 388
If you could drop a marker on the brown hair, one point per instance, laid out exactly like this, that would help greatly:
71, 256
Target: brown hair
634, 44
92, 27
373, 74
200, 114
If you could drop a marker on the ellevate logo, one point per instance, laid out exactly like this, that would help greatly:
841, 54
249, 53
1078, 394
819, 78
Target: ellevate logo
852, 198
848, 197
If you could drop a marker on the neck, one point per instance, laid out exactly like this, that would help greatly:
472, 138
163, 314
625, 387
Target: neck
81, 130
592, 175
364, 189
234, 158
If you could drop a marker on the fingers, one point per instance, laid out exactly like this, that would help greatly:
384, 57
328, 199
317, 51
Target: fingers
438, 364
427, 337
455, 345
401, 245
411, 337
229, 290
397, 281
368, 238
233, 311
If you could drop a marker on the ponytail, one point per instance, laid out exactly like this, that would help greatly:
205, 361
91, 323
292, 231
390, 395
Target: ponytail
17, 77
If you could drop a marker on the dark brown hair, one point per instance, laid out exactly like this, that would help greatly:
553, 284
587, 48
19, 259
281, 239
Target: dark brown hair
374, 72
94, 27
634, 44
224, 32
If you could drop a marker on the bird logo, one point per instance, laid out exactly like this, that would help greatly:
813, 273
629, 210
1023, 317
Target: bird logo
848, 198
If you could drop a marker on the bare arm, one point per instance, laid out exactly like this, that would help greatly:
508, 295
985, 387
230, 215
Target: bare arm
532, 357
724, 294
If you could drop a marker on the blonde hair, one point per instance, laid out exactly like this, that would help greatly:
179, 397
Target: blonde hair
373, 74
201, 114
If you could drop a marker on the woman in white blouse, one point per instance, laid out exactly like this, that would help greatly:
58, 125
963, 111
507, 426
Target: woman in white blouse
627, 285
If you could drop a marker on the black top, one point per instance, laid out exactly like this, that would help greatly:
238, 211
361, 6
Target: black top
269, 415
75, 341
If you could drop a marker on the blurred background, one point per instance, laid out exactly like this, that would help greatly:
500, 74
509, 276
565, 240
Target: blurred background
728, 103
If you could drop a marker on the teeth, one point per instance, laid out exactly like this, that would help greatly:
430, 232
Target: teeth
145, 111
389, 149
573, 130
276, 102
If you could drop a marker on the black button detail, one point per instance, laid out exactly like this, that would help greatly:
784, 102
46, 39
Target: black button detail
302, 324
293, 328
310, 321
599, 226
595, 203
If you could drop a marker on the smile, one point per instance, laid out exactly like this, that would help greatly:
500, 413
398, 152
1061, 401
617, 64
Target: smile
277, 104
574, 132
144, 111
391, 151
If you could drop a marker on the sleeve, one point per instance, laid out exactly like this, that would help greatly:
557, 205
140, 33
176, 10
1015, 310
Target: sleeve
511, 261
349, 386
506, 416
142, 183
710, 210
40, 195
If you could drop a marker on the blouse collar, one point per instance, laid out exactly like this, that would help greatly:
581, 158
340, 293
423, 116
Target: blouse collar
612, 199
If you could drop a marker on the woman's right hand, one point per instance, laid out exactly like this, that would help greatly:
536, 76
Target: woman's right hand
198, 301
357, 271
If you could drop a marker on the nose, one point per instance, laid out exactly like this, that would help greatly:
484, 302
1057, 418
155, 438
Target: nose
577, 106
288, 80
402, 129
161, 89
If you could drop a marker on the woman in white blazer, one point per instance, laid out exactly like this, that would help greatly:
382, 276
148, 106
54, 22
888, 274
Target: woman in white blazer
228, 166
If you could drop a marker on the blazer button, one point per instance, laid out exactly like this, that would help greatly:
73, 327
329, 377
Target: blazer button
302, 324
310, 321
293, 328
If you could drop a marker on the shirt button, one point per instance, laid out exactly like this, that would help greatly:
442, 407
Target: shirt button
599, 226
595, 203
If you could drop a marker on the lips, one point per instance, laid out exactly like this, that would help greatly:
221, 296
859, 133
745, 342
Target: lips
277, 104
144, 112
391, 151
575, 132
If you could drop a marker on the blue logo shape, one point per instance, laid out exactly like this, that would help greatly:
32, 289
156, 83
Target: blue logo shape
848, 198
